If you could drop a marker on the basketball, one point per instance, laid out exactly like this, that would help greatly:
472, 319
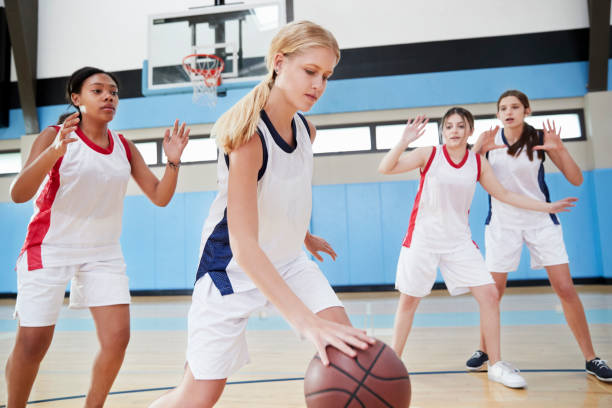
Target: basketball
376, 377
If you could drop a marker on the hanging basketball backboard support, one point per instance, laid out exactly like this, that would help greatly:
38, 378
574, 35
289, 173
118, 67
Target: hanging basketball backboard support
239, 34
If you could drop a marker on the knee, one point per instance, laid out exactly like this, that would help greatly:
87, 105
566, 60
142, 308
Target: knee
408, 302
492, 295
487, 296
115, 341
566, 291
34, 345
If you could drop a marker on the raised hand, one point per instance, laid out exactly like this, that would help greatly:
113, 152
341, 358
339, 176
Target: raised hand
563, 205
175, 144
315, 244
414, 129
486, 141
552, 137
62, 140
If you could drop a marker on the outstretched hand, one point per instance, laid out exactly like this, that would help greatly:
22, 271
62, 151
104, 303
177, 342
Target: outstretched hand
486, 141
414, 129
60, 145
175, 144
563, 205
552, 137
315, 244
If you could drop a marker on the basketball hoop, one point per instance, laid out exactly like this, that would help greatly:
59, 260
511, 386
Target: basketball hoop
204, 71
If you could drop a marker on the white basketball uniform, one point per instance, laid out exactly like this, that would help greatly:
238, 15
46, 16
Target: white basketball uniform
439, 233
76, 224
224, 296
507, 227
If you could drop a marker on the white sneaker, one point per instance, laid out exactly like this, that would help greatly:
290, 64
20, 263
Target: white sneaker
505, 373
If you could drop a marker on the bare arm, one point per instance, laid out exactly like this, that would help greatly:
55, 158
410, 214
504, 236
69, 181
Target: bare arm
492, 186
46, 150
558, 153
160, 192
243, 231
394, 162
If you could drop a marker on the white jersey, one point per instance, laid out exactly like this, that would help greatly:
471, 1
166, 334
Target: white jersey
79, 207
284, 203
520, 175
439, 219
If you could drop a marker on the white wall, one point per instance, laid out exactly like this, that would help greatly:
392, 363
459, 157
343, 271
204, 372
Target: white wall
112, 34
359, 23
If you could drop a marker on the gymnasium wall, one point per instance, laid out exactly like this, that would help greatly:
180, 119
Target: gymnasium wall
364, 215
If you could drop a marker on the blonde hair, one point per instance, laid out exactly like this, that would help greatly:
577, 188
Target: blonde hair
236, 126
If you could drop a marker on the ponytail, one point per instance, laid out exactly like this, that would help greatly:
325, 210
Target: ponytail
236, 126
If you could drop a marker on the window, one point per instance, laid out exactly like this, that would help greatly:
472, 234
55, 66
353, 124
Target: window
346, 139
198, 150
148, 150
358, 138
10, 162
569, 123
387, 136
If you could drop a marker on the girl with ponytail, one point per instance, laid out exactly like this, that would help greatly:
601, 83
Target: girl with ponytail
516, 153
251, 249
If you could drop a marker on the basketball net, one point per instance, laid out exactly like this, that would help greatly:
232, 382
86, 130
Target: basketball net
204, 71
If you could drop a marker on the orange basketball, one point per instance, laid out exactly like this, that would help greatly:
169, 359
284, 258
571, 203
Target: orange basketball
376, 377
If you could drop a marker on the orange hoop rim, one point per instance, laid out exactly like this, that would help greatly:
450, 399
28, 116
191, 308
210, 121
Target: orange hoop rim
207, 73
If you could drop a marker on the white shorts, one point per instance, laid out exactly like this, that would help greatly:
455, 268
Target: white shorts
40, 293
216, 346
504, 245
461, 270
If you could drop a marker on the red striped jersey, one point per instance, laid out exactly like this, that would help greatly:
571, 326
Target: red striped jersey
439, 219
79, 206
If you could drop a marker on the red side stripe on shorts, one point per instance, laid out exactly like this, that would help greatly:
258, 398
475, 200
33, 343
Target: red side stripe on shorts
39, 226
128, 152
417, 199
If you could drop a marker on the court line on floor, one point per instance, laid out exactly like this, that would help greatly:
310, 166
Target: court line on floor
568, 370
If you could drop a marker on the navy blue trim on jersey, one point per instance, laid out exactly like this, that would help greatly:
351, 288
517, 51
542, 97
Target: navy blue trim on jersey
504, 139
305, 124
216, 256
277, 137
544, 189
264, 162
488, 220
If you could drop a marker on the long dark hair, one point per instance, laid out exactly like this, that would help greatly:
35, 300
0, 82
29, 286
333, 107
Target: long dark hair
530, 137
74, 85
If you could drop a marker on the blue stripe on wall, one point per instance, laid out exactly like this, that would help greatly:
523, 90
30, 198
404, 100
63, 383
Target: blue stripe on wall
348, 95
364, 223
602, 180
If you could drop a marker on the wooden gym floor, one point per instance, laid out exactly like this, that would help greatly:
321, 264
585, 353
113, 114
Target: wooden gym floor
534, 337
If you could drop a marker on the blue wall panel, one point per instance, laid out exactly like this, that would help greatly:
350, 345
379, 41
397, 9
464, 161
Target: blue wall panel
602, 181
169, 245
365, 224
138, 241
14, 220
329, 221
397, 198
364, 233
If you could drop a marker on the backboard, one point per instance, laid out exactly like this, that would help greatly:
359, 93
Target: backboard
239, 33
